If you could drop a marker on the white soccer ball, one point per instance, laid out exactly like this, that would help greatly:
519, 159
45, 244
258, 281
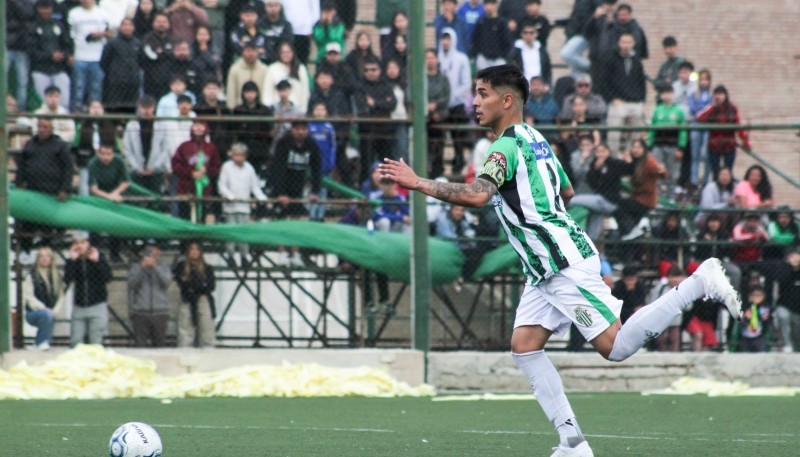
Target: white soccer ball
135, 439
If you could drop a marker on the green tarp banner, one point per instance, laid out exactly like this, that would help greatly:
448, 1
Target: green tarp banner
387, 253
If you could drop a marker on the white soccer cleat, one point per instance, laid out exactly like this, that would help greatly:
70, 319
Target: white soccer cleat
717, 286
581, 450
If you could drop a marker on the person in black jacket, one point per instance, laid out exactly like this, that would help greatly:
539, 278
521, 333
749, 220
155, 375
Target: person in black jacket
491, 40
257, 137
208, 104
50, 50
338, 105
375, 99
19, 14
89, 271
624, 86
197, 312
120, 63
155, 56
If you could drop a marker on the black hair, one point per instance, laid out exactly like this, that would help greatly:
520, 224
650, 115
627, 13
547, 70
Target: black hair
625, 7
669, 41
687, 65
51, 89
764, 187
506, 75
147, 100
183, 98
664, 88
527, 22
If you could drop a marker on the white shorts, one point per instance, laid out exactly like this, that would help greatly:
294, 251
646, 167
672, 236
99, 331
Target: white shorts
576, 294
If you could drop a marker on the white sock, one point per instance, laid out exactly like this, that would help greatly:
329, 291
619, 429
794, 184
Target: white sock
546, 384
647, 323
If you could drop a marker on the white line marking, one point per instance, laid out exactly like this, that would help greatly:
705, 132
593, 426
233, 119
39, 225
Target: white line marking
229, 427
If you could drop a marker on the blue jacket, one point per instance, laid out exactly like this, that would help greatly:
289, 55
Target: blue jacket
698, 102
544, 111
325, 136
393, 209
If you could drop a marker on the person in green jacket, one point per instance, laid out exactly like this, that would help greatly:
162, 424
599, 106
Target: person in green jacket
329, 29
668, 146
784, 231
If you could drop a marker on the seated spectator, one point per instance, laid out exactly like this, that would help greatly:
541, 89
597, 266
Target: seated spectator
147, 160
361, 53
370, 187
712, 239
168, 104
722, 143
684, 88
43, 294
91, 134
698, 101
668, 146
247, 69
196, 312
248, 32
673, 234
50, 51
274, 26
751, 234
783, 230
324, 136
64, 128
595, 105
540, 109
237, 182
631, 291
206, 59
668, 71
718, 194
143, 18
530, 55
156, 57
491, 40
670, 339
89, 271
398, 52
398, 28
89, 27
286, 68
755, 190
120, 63
787, 313
393, 214
149, 307
579, 118
647, 171
258, 139
329, 29
702, 326
196, 165
185, 17
752, 329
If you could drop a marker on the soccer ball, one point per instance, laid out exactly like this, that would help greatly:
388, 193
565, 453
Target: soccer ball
134, 439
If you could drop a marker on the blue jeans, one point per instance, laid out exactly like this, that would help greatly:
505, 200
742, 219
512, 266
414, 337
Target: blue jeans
42, 319
401, 143
87, 80
22, 65
572, 53
316, 211
699, 156
714, 157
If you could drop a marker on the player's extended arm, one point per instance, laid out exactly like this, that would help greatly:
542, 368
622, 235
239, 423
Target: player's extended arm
475, 194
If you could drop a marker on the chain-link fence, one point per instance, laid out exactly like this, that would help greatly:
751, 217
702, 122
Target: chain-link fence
156, 134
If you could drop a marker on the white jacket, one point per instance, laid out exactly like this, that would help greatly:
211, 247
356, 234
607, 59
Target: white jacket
454, 64
237, 183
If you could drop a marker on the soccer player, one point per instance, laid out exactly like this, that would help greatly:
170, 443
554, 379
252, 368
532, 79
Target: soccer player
530, 191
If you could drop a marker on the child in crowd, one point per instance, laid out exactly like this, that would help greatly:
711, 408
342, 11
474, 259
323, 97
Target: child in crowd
752, 328
324, 135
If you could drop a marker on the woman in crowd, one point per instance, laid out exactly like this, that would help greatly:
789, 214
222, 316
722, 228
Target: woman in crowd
644, 188
196, 312
698, 101
43, 294
717, 194
206, 59
361, 53
287, 68
755, 190
143, 19
396, 77
399, 29
722, 143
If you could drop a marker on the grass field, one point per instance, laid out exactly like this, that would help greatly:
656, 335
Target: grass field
616, 425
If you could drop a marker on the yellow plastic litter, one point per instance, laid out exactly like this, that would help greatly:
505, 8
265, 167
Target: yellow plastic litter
688, 385
92, 372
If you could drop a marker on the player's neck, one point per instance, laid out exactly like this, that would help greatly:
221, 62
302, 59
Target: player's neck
507, 121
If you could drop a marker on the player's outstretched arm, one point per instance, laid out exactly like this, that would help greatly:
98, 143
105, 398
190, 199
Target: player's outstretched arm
475, 194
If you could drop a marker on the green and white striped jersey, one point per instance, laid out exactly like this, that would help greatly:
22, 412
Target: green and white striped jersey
529, 179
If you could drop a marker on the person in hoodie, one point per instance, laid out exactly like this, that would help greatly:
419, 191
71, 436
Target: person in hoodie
196, 164
257, 137
449, 19
148, 281
147, 161
529, 55
454, 65
89, 271
119, 60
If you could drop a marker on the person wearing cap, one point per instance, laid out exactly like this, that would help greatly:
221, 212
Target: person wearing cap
343, 77
50, 52
90, 273
247, 69
329, 30
149, 307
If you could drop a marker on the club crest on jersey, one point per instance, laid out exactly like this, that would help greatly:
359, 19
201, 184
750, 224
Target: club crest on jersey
582, 316
541, 150
496, 167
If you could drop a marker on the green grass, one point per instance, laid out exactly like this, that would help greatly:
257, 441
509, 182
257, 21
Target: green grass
616, 425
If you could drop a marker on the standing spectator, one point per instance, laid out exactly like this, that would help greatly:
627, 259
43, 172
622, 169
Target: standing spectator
19, 15
458, 225
787, 312
569, 139
237, 182
361, 53
540, 107
149, 307
108, 178
91, 134
624, 23
449, 19
324, 135
784, 231
595, 105
182, 64
119, 62
297, 160
669, 146
385, 14
147, 160
207, 59
580, 161
210, 105
717, 194
399, 28
329, 29
302, 14
171, 133
668, 71
698, 101
215, 10
117, 10
397, 80
683, 87
284, 110
572, 53
63, 127
89, 27
647, 171
670, 339
514, 11
624, 84
374, 99
532, 14
600, 33
247, 69
155, 57
631, 291
50, 52
391, 216
257, 138
470, 12
168, 104
89, 271
275, 28
247, 31
347, 9
196, 312
722, 143
750, 233
337, 104
143, 18
491, 40
755, 190
438, 99
196, 164
713, 237
184, 18
530, 55
287, 68
43, 294
752, 329
454, 64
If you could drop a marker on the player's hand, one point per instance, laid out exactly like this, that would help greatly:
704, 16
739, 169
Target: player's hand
398, 172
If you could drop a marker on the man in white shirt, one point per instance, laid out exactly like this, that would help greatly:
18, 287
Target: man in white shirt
64, 128
89, 26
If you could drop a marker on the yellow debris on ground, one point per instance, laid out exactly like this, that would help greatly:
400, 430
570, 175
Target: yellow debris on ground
93, 372
688, 385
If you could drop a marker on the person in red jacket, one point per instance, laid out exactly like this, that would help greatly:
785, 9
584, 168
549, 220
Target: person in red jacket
196, 163
722, 143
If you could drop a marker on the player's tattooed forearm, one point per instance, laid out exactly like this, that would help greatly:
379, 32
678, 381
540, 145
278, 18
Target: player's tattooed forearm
456, 192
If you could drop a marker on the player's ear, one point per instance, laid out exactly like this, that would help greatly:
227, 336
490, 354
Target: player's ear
508, 100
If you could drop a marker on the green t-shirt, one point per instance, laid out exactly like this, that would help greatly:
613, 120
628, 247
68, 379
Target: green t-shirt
107, 177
